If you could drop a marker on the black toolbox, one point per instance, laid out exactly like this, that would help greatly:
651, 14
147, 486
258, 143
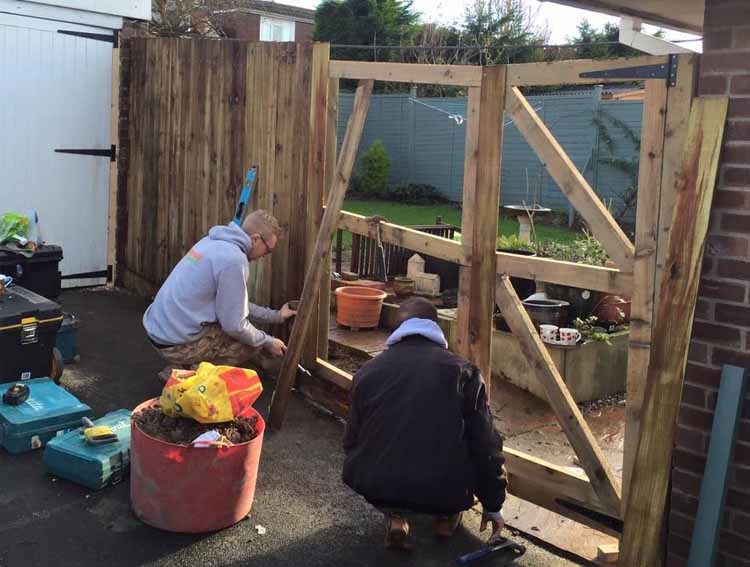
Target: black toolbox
40, 273
28, 329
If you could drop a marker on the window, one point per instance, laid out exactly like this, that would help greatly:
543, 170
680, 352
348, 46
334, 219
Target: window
273, 29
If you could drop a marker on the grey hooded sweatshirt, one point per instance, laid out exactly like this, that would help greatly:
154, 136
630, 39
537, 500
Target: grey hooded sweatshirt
209, 285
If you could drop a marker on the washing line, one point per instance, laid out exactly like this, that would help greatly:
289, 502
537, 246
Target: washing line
458, 118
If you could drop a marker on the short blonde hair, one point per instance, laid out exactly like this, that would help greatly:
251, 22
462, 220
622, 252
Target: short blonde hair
261, 222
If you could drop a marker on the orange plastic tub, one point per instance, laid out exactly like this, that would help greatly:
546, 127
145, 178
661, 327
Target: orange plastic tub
359, 307
192, 489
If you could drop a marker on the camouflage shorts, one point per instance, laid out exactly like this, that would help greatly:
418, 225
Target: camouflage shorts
214, 346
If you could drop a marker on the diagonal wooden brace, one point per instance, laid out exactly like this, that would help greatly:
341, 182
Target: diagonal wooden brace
321, 252
571, 420
569, 179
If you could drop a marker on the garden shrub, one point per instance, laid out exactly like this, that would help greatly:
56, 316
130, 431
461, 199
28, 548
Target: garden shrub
374, 170
415, 193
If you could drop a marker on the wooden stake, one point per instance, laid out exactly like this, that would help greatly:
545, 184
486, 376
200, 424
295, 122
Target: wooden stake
642, 542
484, 146
316, 177
644, 265
322, 251
568, 415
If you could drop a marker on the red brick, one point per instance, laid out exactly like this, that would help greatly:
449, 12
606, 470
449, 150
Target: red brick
741, 478
740, 37
729, 199
688, 461
712, 84
742, 454
734, 544
736, 154
740, 523
717, 289
703, 309
739, 107
737, 499
733, 314
735, 223
734, 269
698, 352
695, 418
736, 176
686, 488
717, 39
719, 245
740, 84
678, 545
743, 432
674, 560
721, 334
721, 356
724, 61
703, 375
694, 395
690, 439
737, 131
726, 13
679, 524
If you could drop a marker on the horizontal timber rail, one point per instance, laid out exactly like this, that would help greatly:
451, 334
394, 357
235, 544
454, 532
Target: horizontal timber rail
568, 72
608, 280
457, 75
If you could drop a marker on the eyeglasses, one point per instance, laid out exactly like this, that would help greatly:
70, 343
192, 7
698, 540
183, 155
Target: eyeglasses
265, 243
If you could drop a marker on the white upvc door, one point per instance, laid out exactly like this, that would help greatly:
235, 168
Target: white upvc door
55, 94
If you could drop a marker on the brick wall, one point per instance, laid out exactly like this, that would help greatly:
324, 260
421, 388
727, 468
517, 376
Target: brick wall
721, 331
240, 25
303, 32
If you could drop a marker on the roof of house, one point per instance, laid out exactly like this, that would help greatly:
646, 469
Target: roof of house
275, 9
682, 15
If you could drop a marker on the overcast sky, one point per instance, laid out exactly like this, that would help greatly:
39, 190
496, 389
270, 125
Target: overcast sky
561, 20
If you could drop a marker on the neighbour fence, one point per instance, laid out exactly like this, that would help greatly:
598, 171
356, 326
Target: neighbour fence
201, 113
425, 137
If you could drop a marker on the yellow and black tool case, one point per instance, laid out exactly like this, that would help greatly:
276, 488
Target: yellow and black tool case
28, 328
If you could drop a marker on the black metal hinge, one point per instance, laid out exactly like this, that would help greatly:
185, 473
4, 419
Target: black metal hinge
666, 71
86, 275
111, 153
108, 38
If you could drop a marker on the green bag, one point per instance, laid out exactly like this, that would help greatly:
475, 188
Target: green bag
12, 224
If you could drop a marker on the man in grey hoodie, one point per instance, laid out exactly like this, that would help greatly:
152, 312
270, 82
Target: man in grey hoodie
202, 314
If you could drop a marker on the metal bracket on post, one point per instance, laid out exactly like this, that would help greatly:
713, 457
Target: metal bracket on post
667, 71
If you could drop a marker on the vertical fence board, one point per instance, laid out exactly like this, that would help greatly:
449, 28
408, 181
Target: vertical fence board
201, 113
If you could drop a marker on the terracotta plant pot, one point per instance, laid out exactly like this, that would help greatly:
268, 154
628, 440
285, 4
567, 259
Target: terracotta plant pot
403, 287
613, 309
359, 307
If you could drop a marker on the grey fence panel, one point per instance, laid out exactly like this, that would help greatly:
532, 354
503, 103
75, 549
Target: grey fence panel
426, 144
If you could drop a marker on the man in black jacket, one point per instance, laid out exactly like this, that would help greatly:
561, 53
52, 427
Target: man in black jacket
420, 435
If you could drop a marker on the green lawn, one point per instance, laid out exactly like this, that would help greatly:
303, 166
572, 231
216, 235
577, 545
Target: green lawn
425, 214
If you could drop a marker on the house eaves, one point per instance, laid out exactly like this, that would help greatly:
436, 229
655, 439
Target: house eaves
680, 15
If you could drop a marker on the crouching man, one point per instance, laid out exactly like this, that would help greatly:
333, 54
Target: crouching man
202, 314
420, 436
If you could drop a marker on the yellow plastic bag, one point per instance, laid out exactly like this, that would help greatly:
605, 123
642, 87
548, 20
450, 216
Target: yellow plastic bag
211, 394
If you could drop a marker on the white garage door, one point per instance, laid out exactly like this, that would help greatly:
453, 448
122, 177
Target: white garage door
55, 91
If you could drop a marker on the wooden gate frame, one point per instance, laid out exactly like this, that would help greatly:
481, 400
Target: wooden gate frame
593, 499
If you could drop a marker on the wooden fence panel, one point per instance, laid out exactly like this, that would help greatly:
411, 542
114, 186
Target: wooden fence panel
201, 113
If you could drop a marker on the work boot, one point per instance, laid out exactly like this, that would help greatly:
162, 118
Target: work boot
397, 533
446, 526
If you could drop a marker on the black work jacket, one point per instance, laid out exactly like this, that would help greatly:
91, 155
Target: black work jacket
420, 433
